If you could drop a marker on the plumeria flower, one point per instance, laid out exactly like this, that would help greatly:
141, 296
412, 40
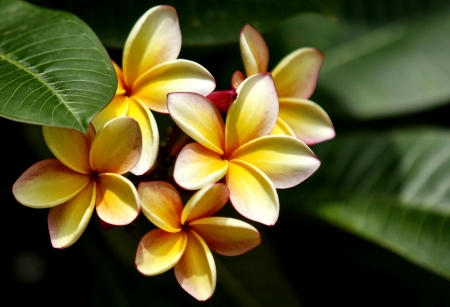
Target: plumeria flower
151, 70
295, 79
253, 162
186, 235
86, 174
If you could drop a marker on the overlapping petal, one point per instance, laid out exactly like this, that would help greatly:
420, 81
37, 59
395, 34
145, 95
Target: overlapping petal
196, 270
198, 118
117, 146
254, 51
205, 202
159, 251
48, 183
121, 86
117, 199
253, 114
310, 123
150, 136
69, 146
161, 204
197, 166
117, 107
173, 76
281, 127
227, 236
296, 75
154, 39
252, 193
284, 159
67, 221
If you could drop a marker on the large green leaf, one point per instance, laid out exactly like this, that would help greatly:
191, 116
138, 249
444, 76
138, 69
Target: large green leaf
202, 22
382, 58
53, 69
391, 188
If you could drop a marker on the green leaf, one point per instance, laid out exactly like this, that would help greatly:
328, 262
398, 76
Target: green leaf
201, 22
391, 188
397, 69
53, 69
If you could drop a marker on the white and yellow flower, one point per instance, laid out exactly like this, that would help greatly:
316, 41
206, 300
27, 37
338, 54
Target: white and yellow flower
295, 79
86, 174
253, 162
186, 235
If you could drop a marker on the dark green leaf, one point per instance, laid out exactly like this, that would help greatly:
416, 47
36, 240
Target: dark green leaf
391, 188
201, 22
53, 69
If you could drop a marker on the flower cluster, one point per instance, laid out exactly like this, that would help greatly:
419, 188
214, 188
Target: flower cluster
247, 142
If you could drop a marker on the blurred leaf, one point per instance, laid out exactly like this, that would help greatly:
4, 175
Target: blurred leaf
53, 69
202, 22
382, 58
391, 188
398, 69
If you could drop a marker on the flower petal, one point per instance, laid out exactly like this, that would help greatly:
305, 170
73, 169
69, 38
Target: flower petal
69, 146
227, 236
68, 221
284, 159
205, 202
198, 118
196, 270
307, 119
150, 136
117, 146
296, 75
161, 204
121, 87
117, 199
48, 183
117, 107
158, 251
236, 79
253, 114
197, 166
254, 51
282, 128
154, 39
252, 193
174, 76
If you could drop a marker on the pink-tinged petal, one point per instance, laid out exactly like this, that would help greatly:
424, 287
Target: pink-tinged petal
117, 107
69, 146
252, 193
159, 251
253, 114
227, 236
284, 159
236, 79
117, 199
296, 75
121, 87
198, 118
310, 123
150, 136
196, 270
282, 127
174, 76
254, 51
161, 204
197, 166
48, 183
205, 202
154, 39
117, 146
67, 221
